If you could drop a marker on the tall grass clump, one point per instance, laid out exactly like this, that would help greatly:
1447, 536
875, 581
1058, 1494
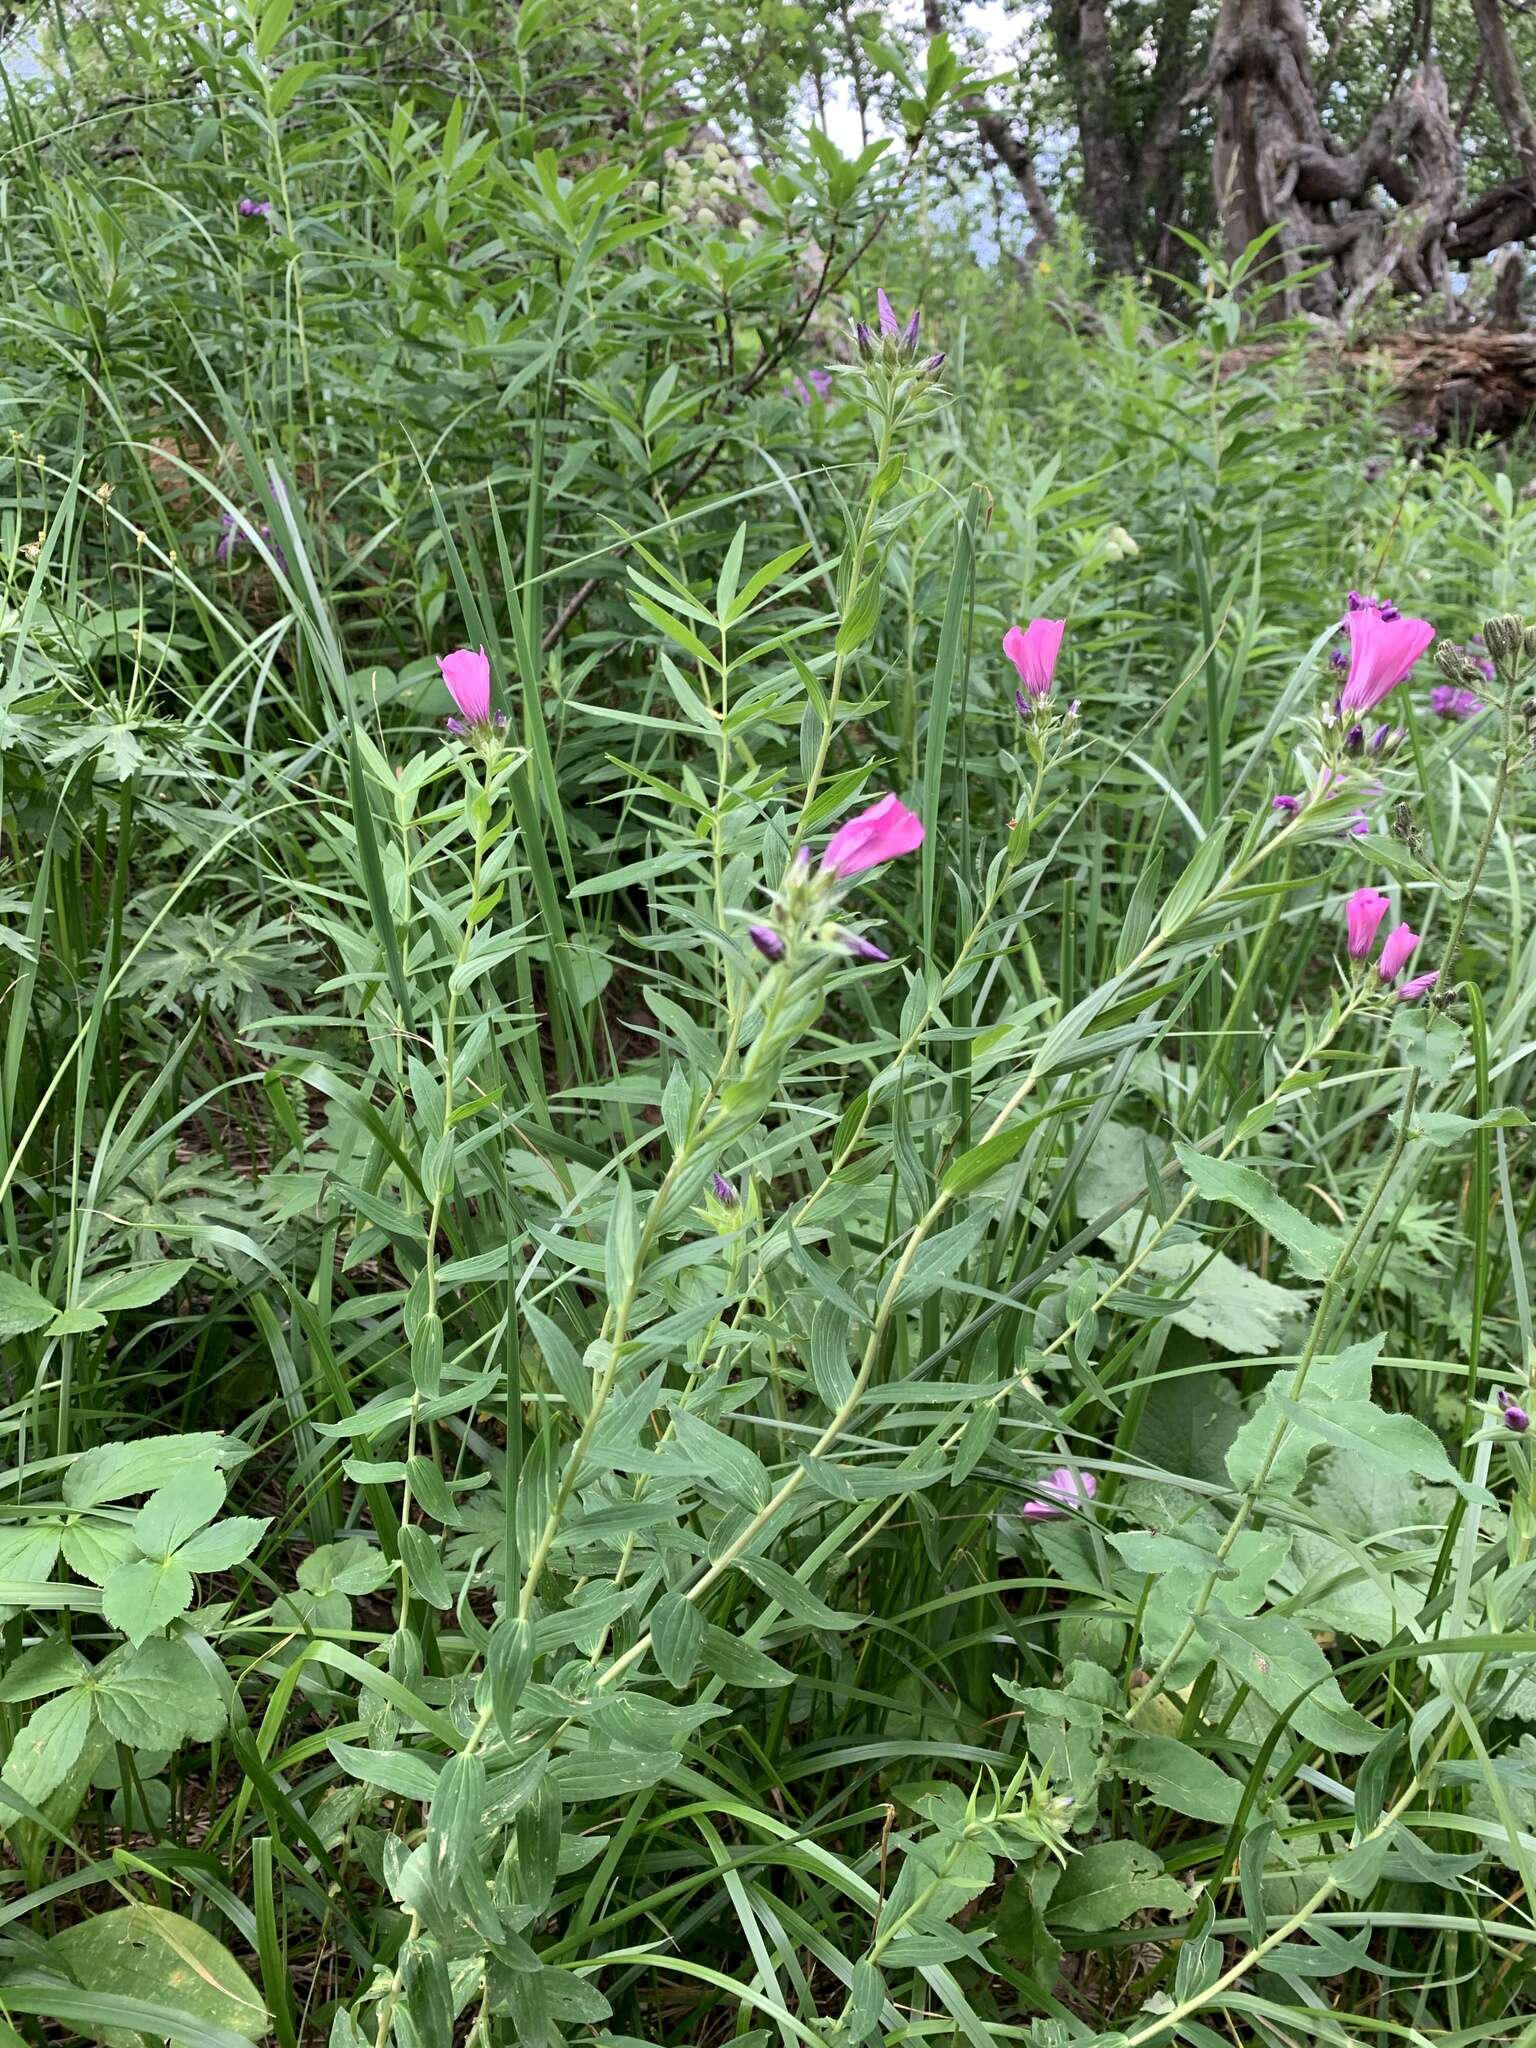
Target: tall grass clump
818, 1328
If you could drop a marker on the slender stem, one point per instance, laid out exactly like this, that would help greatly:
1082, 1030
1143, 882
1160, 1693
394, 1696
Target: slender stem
850, 595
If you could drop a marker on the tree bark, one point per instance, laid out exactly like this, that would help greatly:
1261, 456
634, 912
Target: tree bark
1505, 84
1081, 32
1277, 168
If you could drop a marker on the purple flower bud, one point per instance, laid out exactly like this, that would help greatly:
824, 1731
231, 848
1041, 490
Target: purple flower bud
909, 332
863, 337
1285, 803
766, 940
856, 944
934, 364
1338, 658
1354, 739
887, 314
724, 1192
1512, 1414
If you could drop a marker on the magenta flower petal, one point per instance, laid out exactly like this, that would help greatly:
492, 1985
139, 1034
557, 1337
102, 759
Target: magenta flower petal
1382, 650
1033, 650
1394, 954
879, 834
1062, 1489
468, 676
1362, 915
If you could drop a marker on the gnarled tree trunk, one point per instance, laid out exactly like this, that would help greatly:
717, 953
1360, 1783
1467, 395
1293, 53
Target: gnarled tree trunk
1349, 222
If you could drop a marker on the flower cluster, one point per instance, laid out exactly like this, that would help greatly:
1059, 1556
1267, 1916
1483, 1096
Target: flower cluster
883, 832
1363, 914
895, 344
1383, 647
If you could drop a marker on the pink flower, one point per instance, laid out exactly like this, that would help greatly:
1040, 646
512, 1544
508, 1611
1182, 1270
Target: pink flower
1383, 646
1066, 1489
1033, 650
468, 677
1362, 914
1394, 954
1421, 984
882, 832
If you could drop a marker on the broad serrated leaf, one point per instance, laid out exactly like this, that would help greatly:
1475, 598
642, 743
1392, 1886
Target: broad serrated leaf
115, 1471
22, 1308
45, 1748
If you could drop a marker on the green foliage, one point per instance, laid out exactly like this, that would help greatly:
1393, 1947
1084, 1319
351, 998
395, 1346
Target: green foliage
467, 1572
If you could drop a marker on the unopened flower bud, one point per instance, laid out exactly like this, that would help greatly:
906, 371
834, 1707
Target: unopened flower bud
1505, 637
723, 1190
1511, 1414
856, 944
766, 940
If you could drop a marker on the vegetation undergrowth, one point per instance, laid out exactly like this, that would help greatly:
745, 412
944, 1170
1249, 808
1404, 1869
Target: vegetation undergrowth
821, 1331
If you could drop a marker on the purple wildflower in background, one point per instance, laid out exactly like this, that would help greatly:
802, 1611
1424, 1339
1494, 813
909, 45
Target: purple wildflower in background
236, 532
255, 209
1064, 1489
820, 386
1447, 701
